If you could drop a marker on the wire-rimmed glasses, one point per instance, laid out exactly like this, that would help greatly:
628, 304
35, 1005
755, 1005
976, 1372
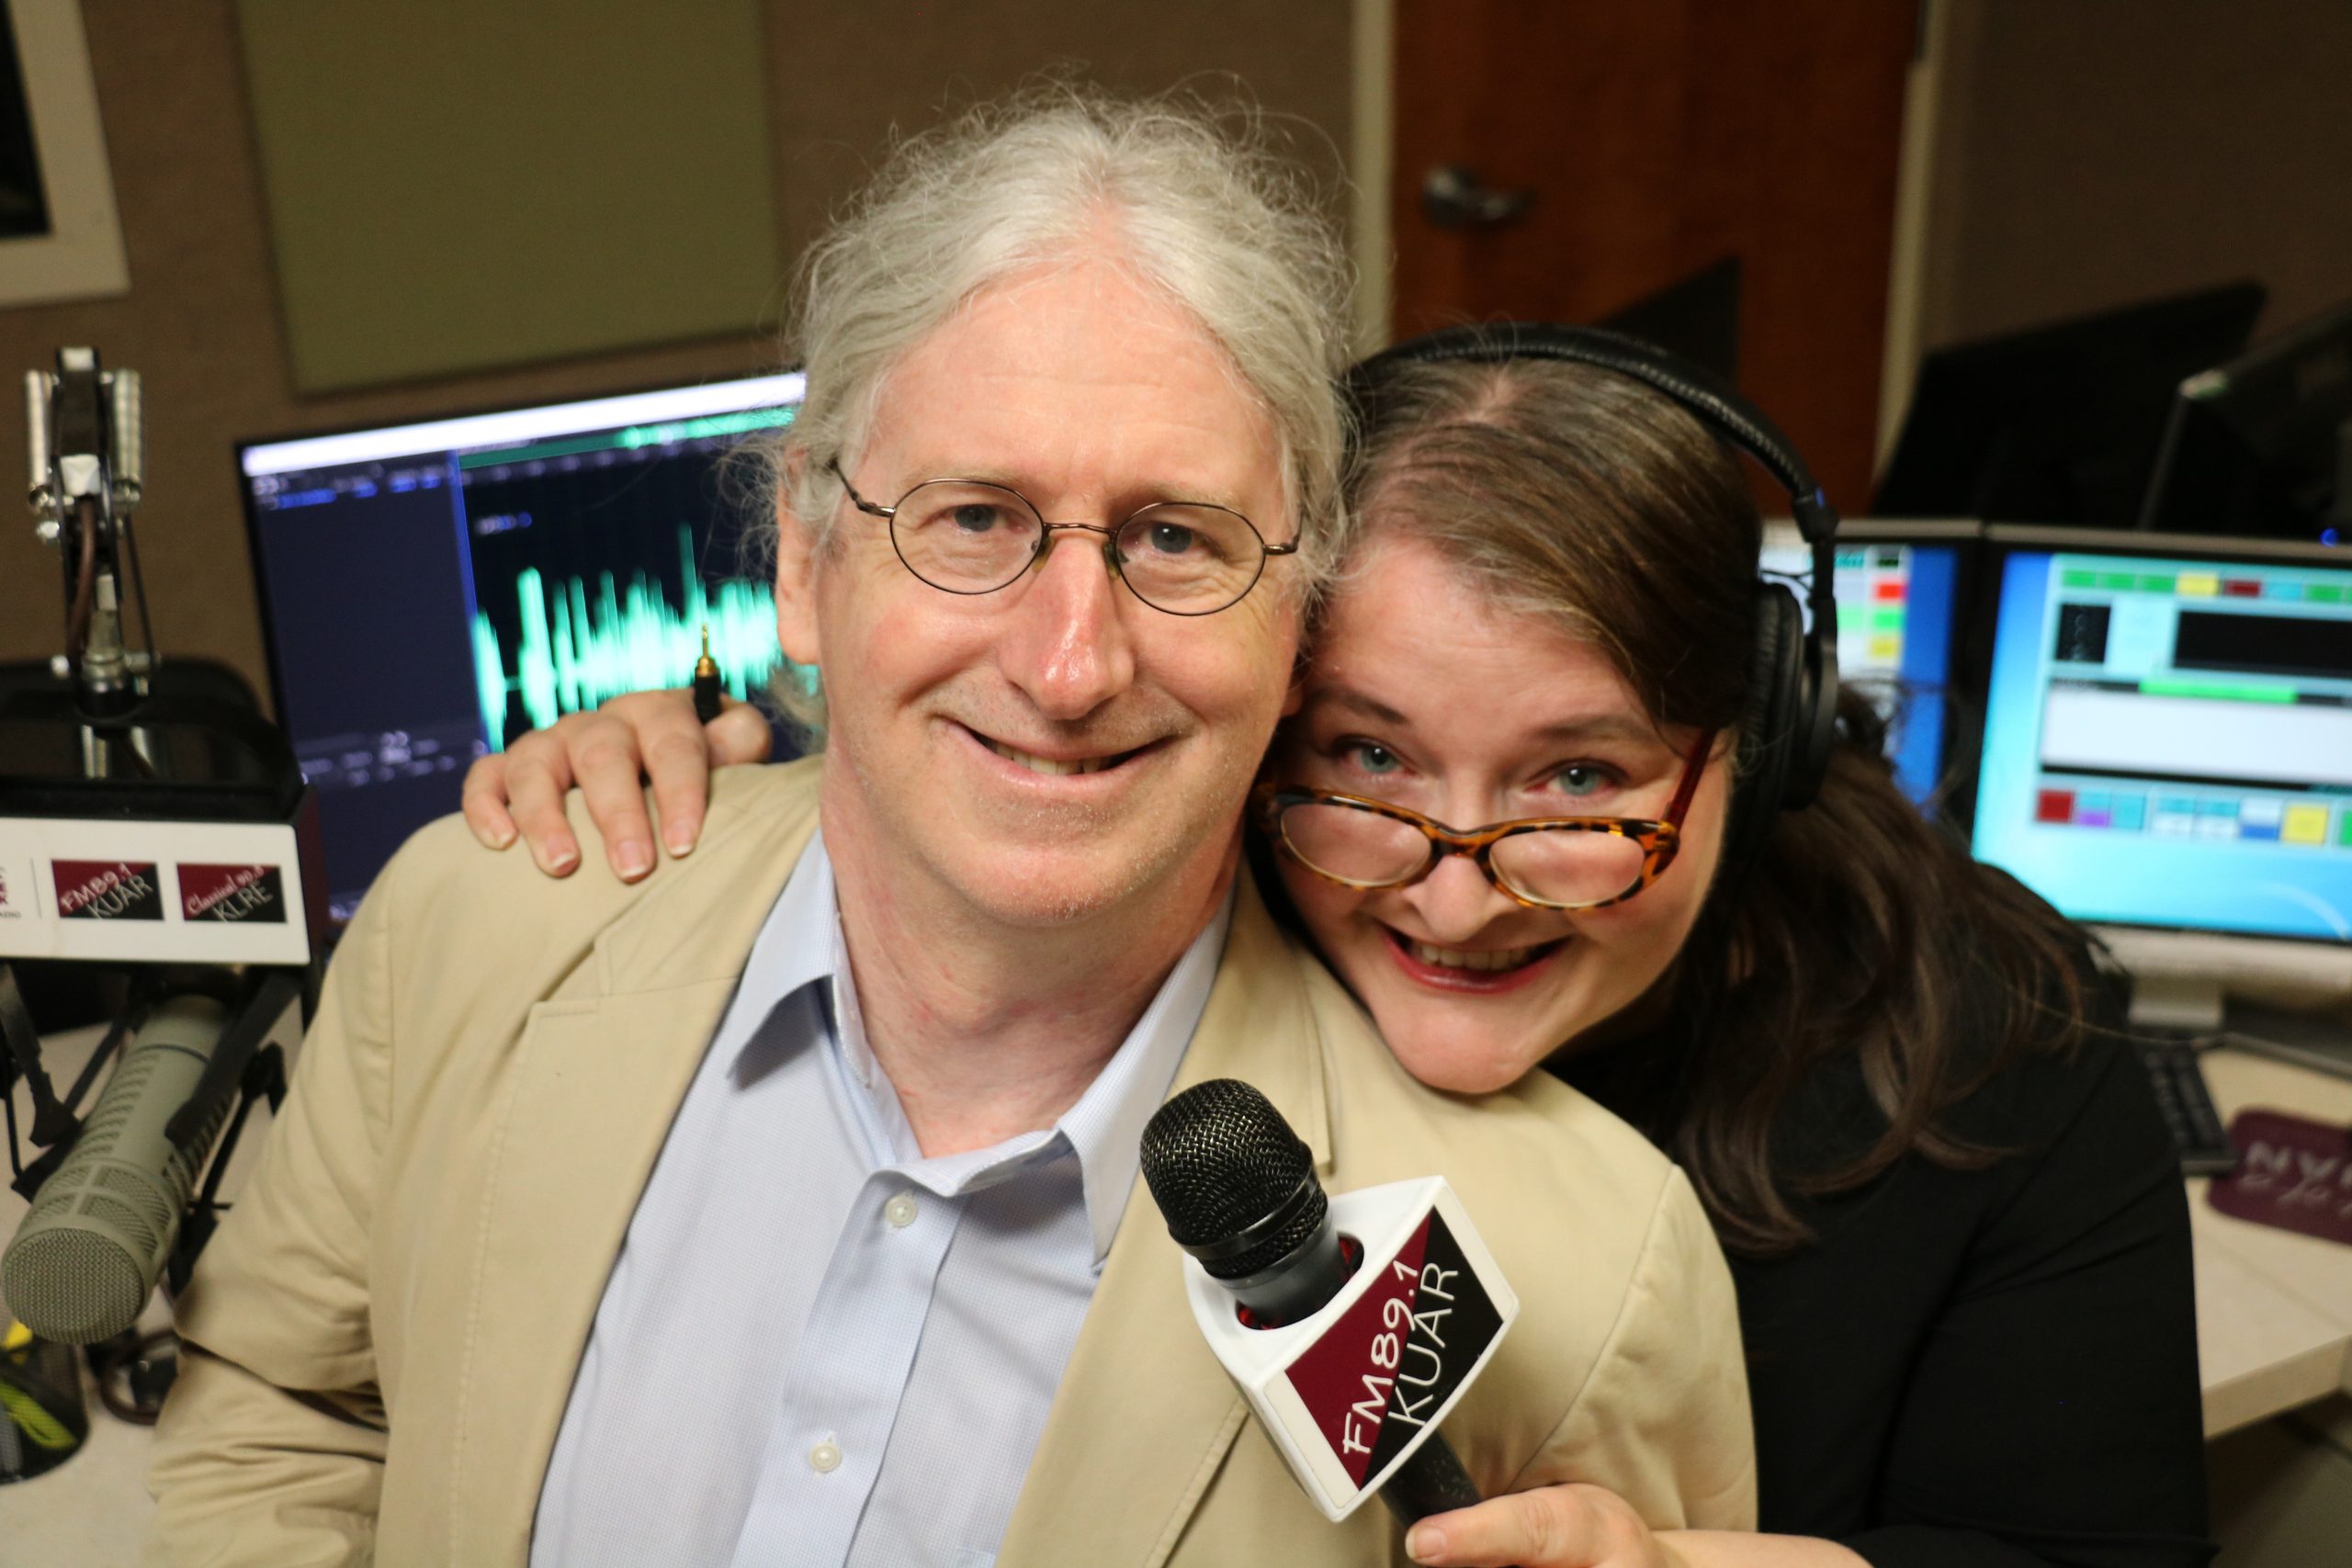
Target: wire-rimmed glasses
1541, 863
1186, 557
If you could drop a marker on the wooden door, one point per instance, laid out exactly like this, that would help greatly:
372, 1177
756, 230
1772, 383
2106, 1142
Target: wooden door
1662, 144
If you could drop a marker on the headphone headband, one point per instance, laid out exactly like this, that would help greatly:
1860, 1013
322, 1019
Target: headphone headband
1697, 391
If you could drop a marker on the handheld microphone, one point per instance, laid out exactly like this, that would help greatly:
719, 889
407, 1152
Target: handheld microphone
1352, 1325
101, 1227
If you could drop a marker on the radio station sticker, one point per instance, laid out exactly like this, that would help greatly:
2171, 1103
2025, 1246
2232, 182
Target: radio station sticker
106, 890
232, 892
1376, 1376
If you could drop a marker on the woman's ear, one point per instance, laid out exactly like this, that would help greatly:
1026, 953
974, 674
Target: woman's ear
795, 567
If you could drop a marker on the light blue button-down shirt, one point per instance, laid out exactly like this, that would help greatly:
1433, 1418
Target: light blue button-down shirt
817, 1346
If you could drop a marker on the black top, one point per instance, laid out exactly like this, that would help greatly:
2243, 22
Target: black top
1986, 1367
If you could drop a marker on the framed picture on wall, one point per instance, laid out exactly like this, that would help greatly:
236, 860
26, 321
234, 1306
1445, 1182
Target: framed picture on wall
59, 236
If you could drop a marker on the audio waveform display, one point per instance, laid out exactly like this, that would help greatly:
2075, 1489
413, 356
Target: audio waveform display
580, 645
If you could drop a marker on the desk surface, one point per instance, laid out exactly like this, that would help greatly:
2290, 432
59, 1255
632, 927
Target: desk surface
2274, 1309
2274, 1330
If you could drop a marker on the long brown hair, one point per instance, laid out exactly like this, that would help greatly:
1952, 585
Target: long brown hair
1586, 499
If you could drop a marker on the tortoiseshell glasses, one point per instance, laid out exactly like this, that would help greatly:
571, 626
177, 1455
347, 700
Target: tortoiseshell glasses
1542, 862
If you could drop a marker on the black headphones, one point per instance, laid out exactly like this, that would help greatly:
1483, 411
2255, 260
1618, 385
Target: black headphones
1791, 723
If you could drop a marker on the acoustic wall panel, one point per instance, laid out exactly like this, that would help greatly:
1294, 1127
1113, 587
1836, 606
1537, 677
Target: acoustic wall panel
460, 183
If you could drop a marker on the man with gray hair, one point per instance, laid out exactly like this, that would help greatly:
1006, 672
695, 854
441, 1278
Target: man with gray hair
778, 1209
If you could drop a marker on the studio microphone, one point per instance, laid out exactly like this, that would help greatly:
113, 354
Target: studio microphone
1352, 1324
102, 1226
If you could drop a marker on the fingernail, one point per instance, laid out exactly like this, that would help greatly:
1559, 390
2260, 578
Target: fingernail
681, 841
502, 838
633, 858
1425, 1543
562, 857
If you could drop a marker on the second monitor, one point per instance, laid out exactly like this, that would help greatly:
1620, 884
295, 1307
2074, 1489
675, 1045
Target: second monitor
2168, 753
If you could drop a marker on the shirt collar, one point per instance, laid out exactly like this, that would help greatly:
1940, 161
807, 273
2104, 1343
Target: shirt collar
802, 944
797, 945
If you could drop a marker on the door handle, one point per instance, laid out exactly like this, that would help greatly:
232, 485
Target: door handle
1452, 198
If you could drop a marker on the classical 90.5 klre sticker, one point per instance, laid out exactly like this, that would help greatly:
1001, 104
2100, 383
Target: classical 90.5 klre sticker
228, 893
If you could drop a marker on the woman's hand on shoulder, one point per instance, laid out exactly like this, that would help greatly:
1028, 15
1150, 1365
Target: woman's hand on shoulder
609, 754
1575, 1526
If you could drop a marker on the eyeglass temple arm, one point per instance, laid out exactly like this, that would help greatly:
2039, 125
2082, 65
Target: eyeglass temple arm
869, 508
1693, 766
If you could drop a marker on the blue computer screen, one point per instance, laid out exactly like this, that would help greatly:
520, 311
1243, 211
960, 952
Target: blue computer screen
1894, 624
2169, 742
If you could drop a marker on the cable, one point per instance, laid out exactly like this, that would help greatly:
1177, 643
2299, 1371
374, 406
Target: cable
138, 589
120, 1355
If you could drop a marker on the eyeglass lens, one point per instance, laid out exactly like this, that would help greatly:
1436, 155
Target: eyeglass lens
1551, 866
974, 538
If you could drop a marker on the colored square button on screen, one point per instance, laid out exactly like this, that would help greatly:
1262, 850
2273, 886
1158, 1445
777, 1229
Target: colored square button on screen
2054, 806
2305, 825
2131, 812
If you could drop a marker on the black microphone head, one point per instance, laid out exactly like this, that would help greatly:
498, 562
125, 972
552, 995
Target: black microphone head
1234, 1184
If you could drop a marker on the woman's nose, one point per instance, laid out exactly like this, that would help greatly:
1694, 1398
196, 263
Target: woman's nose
1456, 901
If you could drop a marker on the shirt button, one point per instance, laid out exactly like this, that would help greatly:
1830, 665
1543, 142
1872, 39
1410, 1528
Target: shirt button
900, 1212
825, 1458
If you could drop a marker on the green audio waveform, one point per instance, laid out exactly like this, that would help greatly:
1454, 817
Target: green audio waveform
588, 645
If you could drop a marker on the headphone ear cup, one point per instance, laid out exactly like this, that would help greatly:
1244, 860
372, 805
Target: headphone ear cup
1768, 737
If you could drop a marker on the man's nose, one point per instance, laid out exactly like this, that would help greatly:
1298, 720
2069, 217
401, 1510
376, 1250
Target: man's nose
1067, 647
1456, 901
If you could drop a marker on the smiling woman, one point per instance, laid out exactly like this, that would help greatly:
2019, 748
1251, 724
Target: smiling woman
1958, 1235
1473, 987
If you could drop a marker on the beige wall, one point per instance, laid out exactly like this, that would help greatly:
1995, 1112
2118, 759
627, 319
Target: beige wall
2090, 153
201, 319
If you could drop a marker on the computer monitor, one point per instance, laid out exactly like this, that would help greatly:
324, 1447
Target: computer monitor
1899, 589
430, 590
2263, 445
2167, 754
2058, 424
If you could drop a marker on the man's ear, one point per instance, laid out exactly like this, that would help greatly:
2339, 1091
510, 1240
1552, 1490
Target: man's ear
795, 567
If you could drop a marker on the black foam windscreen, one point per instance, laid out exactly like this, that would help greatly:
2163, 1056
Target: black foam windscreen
1220, 1160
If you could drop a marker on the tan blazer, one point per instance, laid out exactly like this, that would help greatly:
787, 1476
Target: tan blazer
382, 1339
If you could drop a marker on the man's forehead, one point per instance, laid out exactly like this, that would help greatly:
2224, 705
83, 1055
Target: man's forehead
1038, 377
